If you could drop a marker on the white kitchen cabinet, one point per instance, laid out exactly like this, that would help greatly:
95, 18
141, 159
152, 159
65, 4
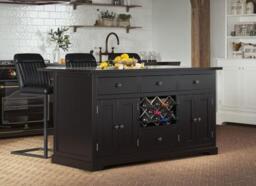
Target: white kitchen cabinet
236, 92
236, 89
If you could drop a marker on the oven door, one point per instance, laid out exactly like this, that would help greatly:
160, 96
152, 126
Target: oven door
11, 113
8, 73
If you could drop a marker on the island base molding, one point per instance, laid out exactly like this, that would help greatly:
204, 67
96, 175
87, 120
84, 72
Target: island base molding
100, 164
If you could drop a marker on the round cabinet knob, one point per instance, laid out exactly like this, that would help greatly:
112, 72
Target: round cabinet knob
116, 127
195, 120
199, 119
118, 85
159, 83
196, 82
121, 126
160, 139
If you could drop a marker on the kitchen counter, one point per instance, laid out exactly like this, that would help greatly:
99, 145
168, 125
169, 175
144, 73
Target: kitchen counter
111, 117
146, 68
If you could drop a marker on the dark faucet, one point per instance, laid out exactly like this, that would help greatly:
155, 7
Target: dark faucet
117, 38
106, 50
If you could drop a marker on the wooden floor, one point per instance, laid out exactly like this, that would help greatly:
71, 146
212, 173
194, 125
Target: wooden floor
235, 165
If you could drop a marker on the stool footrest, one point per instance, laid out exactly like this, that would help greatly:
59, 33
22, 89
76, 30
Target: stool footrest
25, 152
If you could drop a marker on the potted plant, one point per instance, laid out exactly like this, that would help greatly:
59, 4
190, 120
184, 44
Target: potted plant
124, 20
61, 40
107, 18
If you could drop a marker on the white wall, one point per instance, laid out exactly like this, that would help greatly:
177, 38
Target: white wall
172, 30
217, 30
166, 29
24, 28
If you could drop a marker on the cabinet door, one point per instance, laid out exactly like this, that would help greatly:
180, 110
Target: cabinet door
196, 119
185, 123
127, 122
107, 133
248, 88
205, 120
229, 88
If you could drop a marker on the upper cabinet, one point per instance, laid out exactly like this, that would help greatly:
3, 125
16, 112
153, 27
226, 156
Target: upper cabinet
240, 29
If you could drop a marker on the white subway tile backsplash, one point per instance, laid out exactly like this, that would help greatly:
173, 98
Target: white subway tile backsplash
43, 14
50, 8
61, 8
37, 21
32, 14
25, 28
49, 22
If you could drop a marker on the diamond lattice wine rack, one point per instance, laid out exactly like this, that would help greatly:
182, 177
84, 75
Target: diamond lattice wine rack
158, 111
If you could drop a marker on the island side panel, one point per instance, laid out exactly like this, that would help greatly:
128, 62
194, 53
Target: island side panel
73, 119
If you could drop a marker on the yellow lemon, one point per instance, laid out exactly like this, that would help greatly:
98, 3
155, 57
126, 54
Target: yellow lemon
125, 56
103, 65
117, 59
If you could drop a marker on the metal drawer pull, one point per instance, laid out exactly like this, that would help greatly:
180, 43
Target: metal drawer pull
121, 126
116, 127
118, 85
159, 83
6, 87
196, 82
160, 139
195, 120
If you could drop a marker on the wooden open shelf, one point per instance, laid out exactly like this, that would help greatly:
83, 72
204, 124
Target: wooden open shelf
127, 7
35, 2
75, 27
66, 2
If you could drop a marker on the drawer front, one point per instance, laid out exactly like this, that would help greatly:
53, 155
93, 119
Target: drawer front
120, 85
194, 82
158, 138
158, 83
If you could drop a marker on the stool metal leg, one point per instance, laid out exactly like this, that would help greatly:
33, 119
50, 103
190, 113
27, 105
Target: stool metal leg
45, 148
45, 126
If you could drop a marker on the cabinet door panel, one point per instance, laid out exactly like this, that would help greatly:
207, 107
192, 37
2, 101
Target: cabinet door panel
248, 88
107, 134
230, 94
126, 119
185, 119
204, 111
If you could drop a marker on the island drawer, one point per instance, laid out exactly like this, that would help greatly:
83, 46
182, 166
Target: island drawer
158, 138
117, 85
158, 83
194, 82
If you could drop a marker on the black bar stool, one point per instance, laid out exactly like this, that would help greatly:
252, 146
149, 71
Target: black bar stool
34, 82
80, 60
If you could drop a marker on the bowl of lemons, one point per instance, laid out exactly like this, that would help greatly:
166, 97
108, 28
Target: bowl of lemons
121, 62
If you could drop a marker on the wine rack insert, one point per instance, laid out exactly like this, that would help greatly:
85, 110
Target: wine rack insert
158, 111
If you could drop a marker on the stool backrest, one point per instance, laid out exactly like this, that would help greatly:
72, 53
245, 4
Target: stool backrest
80, 60
27, 66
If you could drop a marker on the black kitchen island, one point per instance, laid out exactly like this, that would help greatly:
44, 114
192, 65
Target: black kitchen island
112, 117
